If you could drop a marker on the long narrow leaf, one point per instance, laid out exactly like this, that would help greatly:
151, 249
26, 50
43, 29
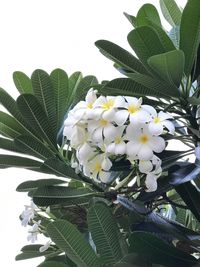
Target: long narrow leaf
8, 161
171, 12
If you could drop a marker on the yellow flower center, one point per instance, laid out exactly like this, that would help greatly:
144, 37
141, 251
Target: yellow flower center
103, 122
90, 105
97, 167
133, 109
156, 120
144, 139
109, 104
118, 140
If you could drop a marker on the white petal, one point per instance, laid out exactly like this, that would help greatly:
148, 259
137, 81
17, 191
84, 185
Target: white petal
157, 144
132, 132
145, 166
97, 135
150, 110
120, 102
104, 176
108, 114
106, 164
145, 153
155, 128
110, 132
164, 116
133, 100
110, 148
121, 117
93, 125
91, 96
120, 149
132, 148
134, 119
143, 116
100, 101
151, 183
170, 126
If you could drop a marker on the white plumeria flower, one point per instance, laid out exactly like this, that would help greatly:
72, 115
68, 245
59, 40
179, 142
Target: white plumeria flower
142, 143
146, 166
105, 107
133, 110
117, 145
159, 121
28, 214
101, 129
34, 231
84, 109
45, 246
98, 168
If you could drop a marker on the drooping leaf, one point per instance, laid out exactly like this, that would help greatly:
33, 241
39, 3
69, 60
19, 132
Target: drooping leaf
9, 145
59, 168
34, 114
53, 263
22, 82
190, 194
146, 43
128, 87
31, 185
159, 251
171, 12
62, 192
169, 66
174, 35
33, 147
60, 83
148, 12
105, 233
8, 161
44, 91
190, 33
71, 241
120, 56
74, 81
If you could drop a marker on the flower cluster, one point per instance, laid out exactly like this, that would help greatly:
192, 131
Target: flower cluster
103, 128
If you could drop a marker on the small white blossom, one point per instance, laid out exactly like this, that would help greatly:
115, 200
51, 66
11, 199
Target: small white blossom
45, 247
160, 121
28, 214
34, 231
142, 143
146, 166
117, 145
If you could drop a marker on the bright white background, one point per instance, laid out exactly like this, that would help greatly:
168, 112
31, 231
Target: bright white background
48, 34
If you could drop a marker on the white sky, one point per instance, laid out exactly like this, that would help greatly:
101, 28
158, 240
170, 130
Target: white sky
49, 34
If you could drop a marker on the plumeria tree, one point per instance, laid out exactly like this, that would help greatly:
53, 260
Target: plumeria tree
122, 197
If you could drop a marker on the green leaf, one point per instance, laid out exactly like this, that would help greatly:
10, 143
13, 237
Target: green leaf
59, 168
194, 101
22, 82
34, 114
160, 87
44, 91
85, 84
60, 83
148, 12
158, 251
31, 185
174, 35
120, 56
124, 264
169, 66
171, 12
71, 241
190, 33
128, 87
8, 161
146, 43
74, 81
131, 19
8, 145
31, 146
32, 251
105, 233
53, 264
190, 194
63, 192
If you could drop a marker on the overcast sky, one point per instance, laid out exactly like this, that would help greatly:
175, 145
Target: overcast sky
48, 34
